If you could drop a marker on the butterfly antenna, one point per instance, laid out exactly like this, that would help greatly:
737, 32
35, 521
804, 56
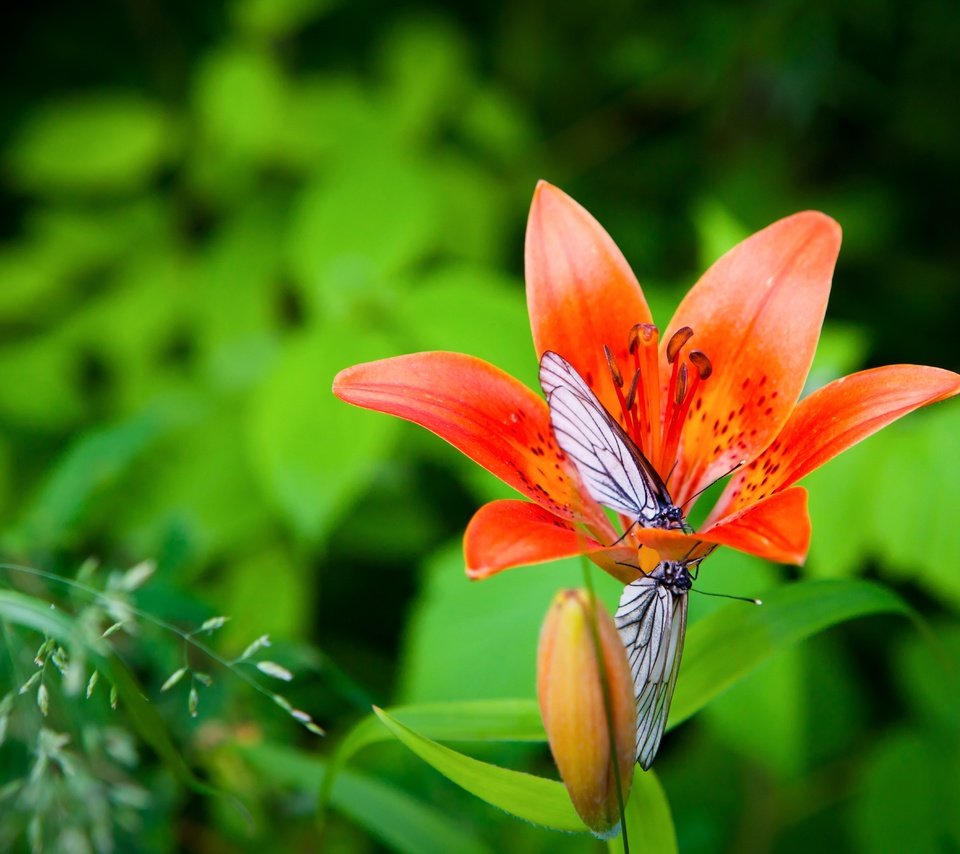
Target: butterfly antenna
670, 473
749, 599
712, 482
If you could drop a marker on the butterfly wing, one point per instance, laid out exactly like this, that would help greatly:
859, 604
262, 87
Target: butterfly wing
613, 469
652, 622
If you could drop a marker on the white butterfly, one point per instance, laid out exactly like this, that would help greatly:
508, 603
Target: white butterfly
613, 469
652, 621
652, 616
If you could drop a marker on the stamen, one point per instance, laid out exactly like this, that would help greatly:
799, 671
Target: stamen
641, 428
632, 392
681, 386
676, 342
684, 398
701, 362
614, 367
627, 416
645, 338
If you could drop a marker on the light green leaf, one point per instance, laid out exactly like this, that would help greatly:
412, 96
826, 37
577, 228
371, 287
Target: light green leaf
526, 796
393, 816
468, 640
650, 827
773, 697
426, 76
899, 806
455, 307
311, 451
240, 101
358, 228
100, 142
93, 465
278, 18
724, 646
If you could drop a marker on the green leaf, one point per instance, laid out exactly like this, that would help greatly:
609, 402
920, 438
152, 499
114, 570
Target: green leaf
455, 307
526, 796
476, 720
469, 640
93, 465
102, 142
312, 452
899, 806
773, 697
728, 644
359, 228
240, 100
393, 816
278, 18
650, 827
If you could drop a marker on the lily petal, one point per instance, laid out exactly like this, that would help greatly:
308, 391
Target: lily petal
832, 419
757, 314
493, 418
581, 293
508, 533
777, 528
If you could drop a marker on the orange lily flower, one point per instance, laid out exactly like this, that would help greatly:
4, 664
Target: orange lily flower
719, 389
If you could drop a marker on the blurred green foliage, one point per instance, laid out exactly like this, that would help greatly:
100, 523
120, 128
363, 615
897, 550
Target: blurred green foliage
211, 208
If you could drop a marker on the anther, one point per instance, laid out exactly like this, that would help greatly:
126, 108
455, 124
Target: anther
632, 393
701, 362
681, 388
676, 342
614, 367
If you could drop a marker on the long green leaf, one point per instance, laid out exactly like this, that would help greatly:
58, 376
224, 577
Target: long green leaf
395, 817
477, 720
727, 645
650, 827
526, 796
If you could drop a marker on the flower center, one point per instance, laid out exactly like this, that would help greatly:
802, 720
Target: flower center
654, 425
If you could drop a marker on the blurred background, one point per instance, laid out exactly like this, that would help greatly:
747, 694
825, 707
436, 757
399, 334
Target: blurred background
210, 208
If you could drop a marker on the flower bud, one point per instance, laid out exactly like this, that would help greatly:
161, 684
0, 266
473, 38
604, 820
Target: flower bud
574, 711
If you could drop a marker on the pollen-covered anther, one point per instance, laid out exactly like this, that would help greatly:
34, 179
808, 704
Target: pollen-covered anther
614, 367
701, 362
632, 391
626, 416
681, 388
677, 342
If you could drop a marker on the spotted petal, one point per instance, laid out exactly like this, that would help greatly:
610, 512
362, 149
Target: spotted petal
493, 418
777, 528
757, 314
831, 420
581, 292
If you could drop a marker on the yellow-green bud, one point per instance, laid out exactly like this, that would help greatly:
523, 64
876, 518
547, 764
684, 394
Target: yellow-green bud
574, 710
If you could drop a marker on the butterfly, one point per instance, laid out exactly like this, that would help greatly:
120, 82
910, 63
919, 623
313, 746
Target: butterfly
652, 616
613, 469
652, 622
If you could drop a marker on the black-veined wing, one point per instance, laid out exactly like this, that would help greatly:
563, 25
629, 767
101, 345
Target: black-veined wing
613, 469
652, 621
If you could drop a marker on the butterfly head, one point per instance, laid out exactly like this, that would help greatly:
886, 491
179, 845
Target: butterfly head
674, 575
672, 517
